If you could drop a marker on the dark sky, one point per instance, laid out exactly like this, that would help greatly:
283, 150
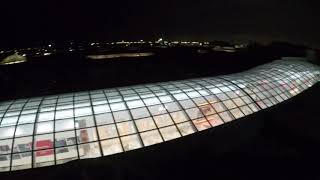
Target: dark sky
25, 22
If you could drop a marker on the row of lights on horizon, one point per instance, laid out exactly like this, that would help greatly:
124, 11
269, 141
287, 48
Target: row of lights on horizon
47, 50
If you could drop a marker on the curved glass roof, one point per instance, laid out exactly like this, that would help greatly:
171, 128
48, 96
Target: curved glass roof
51, 130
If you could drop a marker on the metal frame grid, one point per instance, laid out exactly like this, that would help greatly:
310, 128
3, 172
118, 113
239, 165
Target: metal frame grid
52, 130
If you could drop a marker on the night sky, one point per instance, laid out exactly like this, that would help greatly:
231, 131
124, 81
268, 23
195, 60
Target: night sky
27, 22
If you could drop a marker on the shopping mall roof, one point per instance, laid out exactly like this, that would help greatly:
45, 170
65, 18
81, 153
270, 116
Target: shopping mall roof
52, 130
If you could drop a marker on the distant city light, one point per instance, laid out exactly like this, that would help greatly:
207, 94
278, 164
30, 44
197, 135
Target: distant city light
49, 45
119, 55
46, 54
160, 40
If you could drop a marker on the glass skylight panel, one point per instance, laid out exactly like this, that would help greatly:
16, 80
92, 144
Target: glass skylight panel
151, 137
203, 92
16, 106
214, 120
79, 98
23, 144
193, 94
151, 101
186, 104
215, 90
222, 96
201, 124
66, 154
165, 99
200, 101
115, 99
254, 107
229, 104
32, 103
140, 113
110, 94
207, 109
131, 142
157, 109
6, 146
63, 125
84, 111
12, 113
105, 118
46, 116
226, 116
64, 106
180, 96
194, 113
46, 108
44, 127
81, 104
120, 116
4, 107
86, 135
111, 146
99, 101
128, 91
89, 150
169, 133
246, 110
186, 128
65, 138
66, 99
24, 130
84, 121
219, 107
163, 120
7, 121
29, 111
98, 95
62, 114
145, 124
107, 131
130, 97
236, 113
135, 104
171, 107
101, 108
179, 116
126, 128
117, 106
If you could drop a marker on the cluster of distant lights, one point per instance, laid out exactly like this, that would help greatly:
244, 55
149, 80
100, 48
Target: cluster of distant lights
50, 49
157, 42
119, 55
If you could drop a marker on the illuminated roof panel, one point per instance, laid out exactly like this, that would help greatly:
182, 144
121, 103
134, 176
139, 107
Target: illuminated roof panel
51, 130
